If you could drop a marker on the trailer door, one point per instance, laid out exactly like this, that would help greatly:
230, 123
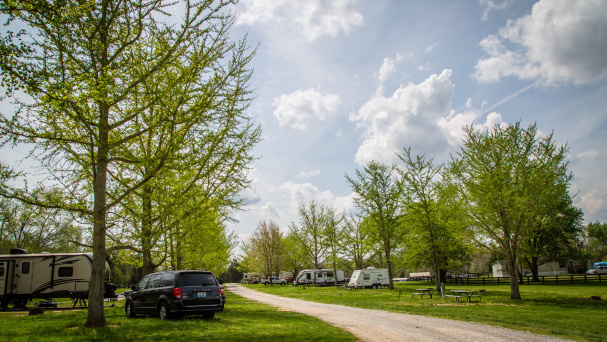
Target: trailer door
3, 276
22, 280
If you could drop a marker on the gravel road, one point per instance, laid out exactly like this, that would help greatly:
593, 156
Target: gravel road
375, 325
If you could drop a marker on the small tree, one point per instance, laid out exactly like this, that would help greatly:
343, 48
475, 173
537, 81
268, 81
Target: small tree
264, 250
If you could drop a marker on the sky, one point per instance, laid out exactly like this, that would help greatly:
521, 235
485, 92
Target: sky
339, 83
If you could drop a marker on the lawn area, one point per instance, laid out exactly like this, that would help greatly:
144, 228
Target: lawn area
242, 320
560, 310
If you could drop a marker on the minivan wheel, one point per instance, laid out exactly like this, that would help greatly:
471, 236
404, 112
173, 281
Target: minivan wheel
163, 311
208, 314
128, 309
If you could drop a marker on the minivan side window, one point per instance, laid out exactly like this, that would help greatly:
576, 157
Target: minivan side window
168, 279
143, 283
155, 281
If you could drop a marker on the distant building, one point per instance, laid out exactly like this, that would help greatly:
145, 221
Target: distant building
500, 269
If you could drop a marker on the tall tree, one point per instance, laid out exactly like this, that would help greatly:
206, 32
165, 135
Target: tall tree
507, 177
434, 233
378, 192
312, 221
333, 236
84, 67
264, 250
356, 241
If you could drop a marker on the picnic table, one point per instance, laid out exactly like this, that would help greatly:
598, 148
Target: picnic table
421, 292
458, 294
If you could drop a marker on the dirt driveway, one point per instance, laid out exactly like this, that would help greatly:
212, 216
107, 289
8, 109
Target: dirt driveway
375, 325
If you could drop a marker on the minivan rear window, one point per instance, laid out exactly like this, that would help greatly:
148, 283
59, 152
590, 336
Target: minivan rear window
197, 279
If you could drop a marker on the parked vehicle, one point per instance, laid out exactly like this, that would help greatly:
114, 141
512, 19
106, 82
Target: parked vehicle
175, 293
370, 278
600, 263
223, 296
320, 277
25, 276
598, 270
251, 278
274, 280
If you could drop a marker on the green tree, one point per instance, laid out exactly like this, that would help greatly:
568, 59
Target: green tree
554, 236
295, 257
84, 67
264, 249
378, 192
333, 237
434, 231
356, 242
312, 221
596, 233
507, 177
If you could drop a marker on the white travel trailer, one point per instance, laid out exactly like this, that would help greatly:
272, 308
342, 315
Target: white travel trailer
58, 275
251, 278
370, 278
320, 277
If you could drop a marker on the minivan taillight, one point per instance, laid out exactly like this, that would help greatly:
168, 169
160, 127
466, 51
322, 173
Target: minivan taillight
177, 292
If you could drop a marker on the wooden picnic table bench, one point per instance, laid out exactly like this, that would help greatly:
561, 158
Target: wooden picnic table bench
422, 292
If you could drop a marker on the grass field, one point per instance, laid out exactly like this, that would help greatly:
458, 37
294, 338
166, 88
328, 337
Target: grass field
559, 310
242, 320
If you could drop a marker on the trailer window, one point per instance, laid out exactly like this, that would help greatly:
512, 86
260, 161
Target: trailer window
25, 267
65, 271
1, 271
367, 276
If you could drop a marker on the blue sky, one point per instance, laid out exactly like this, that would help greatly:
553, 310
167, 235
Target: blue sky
341, 82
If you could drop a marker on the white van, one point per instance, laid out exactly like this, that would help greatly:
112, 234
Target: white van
370, 278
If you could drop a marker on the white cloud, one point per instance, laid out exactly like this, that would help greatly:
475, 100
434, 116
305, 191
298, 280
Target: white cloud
431, 48
416, 115
309, 174
306, 192
593, 202
314, 18
490, 6
298, 109
588, 155
388, 67
561, 41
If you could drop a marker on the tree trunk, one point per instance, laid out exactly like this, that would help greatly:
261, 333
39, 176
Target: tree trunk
96, 315
146, 230
534, 269
513, 272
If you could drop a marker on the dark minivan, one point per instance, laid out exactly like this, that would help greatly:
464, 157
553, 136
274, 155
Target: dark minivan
175, 293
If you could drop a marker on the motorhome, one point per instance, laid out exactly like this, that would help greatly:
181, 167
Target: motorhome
49, 275
370, 278
320, 277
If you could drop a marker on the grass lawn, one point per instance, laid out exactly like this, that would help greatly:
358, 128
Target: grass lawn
560, 310
242, 320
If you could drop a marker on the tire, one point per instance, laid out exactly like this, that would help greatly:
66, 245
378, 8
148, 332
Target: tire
208, 314
374, 287
164, 312
129, 310
282, 284
266, 283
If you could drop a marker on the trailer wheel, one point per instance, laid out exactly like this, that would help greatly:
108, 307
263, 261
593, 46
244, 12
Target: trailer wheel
283, 283
129, 311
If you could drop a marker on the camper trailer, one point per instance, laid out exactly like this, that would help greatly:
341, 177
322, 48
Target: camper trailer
25, 276
320, 277
251, 278
370, 278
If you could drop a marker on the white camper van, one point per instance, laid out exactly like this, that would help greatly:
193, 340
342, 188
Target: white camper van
320, 277
25, 276
370, 278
